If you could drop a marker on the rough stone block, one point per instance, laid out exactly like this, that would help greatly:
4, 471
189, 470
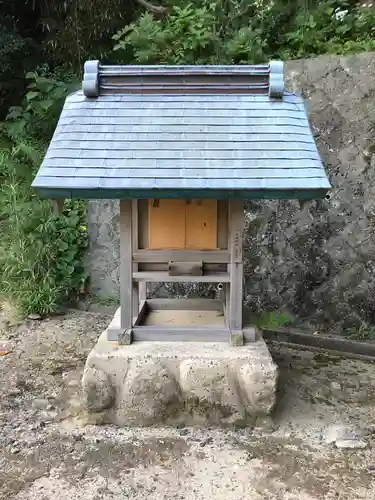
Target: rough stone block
198, 383
257, 382
97, 389
208, 385
149, 390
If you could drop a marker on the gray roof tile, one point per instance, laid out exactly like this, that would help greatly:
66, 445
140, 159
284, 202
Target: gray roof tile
176, 141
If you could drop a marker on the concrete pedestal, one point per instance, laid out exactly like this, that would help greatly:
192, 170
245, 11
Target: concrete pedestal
195, 383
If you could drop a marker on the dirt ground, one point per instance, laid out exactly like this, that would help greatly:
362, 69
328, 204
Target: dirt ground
49, 452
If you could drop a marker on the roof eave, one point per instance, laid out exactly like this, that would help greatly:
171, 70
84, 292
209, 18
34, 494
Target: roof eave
243, 194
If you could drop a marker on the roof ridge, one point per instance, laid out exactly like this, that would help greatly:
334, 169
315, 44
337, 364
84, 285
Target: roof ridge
183, 79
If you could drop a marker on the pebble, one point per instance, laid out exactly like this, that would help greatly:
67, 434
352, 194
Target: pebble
14, 392
15, 451
341, 432
184, 432
206, 441
48, 416
351, 444
34, 317
41, 404
74, 383
336, 386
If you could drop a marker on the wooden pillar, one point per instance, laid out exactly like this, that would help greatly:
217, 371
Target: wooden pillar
126, 271
57, 206
139, 289
235, 245
135, 286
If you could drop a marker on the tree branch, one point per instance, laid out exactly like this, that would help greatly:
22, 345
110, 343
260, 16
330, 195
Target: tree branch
156, 9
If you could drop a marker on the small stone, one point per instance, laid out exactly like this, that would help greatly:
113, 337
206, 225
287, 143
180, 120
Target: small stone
41, 404
77, 437
336, 386
341, 432
180, 425
74, 383
34, 317
14, 392
15, 451
206, 442
184, 432
49, 416
6, 348
351, 444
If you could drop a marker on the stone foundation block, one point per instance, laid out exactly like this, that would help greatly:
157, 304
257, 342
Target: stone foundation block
195, 383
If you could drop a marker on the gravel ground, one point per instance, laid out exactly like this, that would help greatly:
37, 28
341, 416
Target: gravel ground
49, 451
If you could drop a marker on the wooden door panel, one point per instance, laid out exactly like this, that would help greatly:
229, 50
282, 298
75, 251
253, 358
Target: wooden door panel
201, 225
166, 224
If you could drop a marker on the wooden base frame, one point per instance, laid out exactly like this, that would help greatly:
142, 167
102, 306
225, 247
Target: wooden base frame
139, 332
212, 333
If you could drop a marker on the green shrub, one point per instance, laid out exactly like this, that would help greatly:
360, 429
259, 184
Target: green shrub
273, 319
41, 253
240, 31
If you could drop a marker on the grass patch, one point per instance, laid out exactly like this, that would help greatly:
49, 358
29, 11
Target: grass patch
273, 319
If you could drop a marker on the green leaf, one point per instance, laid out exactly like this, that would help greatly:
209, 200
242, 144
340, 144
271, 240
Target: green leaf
32, 95
46, 104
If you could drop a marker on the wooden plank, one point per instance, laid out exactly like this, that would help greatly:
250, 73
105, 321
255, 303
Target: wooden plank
126, 291
321, 350
184, 304
210, 256
167, 224
135, 286
134, 215
185, 268
222, 224
143, 239
135, 299
318, 341
158, 266
156, 277
142, 291
143, 309
201, 225
120, 336
180, 334
236, 224
226, 303
125, 337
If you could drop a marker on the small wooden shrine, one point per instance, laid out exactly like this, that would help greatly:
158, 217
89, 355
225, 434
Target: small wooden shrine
182, 147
